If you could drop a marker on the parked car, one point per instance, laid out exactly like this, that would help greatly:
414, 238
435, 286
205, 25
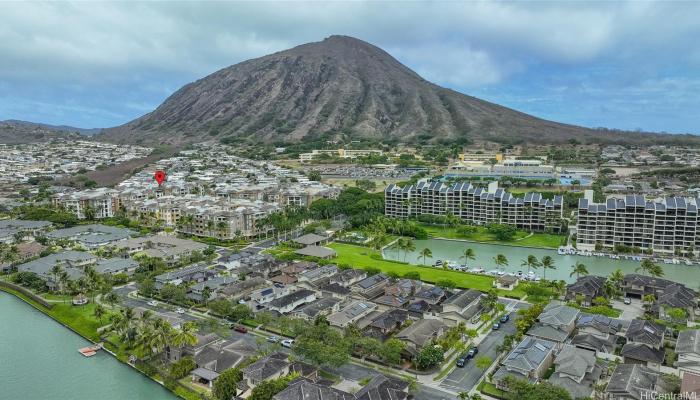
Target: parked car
241, 301
505, 318
496, 326
287, 343
241, 329
462, 360
153, 303
472, 352
180, 311
628, 300
273, 339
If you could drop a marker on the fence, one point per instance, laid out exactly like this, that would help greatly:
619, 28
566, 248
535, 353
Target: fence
26, 292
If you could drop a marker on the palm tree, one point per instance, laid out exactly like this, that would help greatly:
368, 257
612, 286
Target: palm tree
578, 269
547, 262
531, 263
409, 245
64, 280
162, 332
617, 277
56, 271
468, 255
647, 266
426, 253
186, 335
99, 312
500, 260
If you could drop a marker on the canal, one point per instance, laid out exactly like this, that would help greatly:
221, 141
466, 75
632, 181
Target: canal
40, 361
452, 250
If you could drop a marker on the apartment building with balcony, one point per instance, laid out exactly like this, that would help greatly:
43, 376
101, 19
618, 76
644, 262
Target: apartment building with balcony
664, 225
475, 205
100, 203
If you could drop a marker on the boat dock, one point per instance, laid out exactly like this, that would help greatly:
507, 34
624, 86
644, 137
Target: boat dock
90, 350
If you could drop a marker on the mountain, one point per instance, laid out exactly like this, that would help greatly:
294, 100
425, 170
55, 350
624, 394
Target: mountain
15, 132
341, 87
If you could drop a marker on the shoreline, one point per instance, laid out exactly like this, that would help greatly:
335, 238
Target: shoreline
42, 309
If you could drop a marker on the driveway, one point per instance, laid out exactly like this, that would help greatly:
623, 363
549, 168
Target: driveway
629, 311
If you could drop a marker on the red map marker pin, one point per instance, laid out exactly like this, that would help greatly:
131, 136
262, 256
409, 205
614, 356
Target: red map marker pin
159, 177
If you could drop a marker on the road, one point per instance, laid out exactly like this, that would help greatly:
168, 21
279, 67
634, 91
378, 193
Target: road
464, 379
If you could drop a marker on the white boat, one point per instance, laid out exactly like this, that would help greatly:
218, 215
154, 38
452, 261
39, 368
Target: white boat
478, 270
493, 272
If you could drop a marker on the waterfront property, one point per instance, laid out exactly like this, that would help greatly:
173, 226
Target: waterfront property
668, 225
475, 205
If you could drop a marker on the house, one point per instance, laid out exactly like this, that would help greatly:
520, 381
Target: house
644, 344
72, 262
193, 273
382, 387
688, 350
391, 301
335, 290
506, 282
116, 265
168, 248
284, 279
585, 289
92, 236
371, 286
316, 251
10, 229
29, 250
217, 357
348, 277
634, 382
597, 333
576, 370
311, 239
432, 295
461, 307
528, 361
387, 322
305, 389
242, 289
213, 285
404, 288
322, 306
291, 301
668, 294
420, 333
269, 367
174, 353
556, 322
267, 294
314, 275
351, 313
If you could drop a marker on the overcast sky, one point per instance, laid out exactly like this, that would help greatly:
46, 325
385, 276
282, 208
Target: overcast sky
619, 65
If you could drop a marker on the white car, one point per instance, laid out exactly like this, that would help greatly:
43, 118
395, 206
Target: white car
180, 311
153, 303
287, 343
241, 301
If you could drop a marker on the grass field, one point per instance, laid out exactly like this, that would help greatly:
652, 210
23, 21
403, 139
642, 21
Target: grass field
482, 235
360, 257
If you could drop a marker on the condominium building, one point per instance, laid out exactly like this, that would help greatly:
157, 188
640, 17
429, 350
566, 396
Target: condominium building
101, 202
524, 169
341, 153
476, 205
668, 225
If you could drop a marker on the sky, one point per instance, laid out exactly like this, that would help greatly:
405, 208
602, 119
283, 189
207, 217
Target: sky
625, 65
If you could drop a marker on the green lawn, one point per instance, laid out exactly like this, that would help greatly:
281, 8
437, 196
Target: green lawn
360, 257
483, 235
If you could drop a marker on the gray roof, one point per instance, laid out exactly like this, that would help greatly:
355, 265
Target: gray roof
316, 251
574, 361
421, 332
633, 380
309, 239
529, 354
590, 341
382, 387
93, 234
599, 322
642, 352
558, 314
371, 281
548, 332
22, 224
291, 298
304, 389
313, 309
464, 298
115, 265
643, 331
266, 367
688, 342
43, 265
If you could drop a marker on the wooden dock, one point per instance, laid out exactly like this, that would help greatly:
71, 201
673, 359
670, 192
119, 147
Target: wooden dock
90, 350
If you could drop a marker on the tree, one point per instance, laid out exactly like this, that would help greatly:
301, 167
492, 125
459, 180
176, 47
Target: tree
648, 300
578, 269
429, 357
426, 253
322, 345
390, 351
240, 312
446, 283
415, 275
617, 277
185, 336
500, 260
648, 267
677, 314
523, 390
531, 263
468, 255
225, 386
111, 298
483, 363
99, 312
266, 390
181, 368
221, 307
547, 262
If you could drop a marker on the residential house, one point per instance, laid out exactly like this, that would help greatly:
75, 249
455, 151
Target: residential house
462, 307
644, 344
311, 239
305, 389
217, 357
528, 361
348, 277
314, 275
556, 322
193, 273
72, 262
419, 334
432, 295
506, 282
351, 313
335, 290
269, 367
242, 289
576, 370
372, 286
688, 350
10, 229
168, 248
213, 285
382, 387
317, 251
267, 294
291, 301
585, 289
635, 382
668, 294
92, 236
597, 333
387, 322
323, 306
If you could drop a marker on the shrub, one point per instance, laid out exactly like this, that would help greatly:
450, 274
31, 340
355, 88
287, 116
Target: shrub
181, 368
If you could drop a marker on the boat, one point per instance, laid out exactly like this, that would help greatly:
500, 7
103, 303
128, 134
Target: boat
478, 270
520, 274
501, 273
90, 350
493, 272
